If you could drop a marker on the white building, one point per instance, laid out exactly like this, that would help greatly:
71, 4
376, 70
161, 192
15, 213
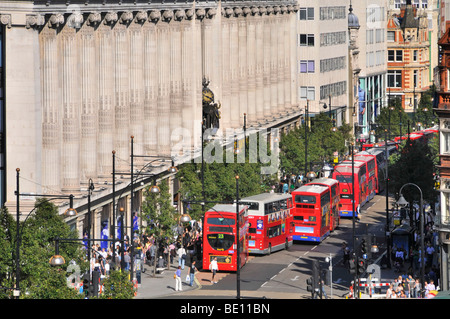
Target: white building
372, 46
322, 57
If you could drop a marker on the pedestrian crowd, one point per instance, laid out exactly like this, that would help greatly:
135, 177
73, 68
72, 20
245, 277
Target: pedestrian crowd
409, 262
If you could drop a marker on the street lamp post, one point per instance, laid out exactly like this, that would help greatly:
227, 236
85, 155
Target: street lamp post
90, 189
388, 260
402, 202
69, 212
238, 246
306, 136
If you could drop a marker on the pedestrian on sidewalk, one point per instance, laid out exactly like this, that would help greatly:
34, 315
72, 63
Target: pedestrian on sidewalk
177, 276
181, 253
214, 268
192, 271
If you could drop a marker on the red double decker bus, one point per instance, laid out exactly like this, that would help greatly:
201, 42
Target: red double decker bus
370, 168
312, 208
343, 174
269, 222
380, 166
219, 236
335, 199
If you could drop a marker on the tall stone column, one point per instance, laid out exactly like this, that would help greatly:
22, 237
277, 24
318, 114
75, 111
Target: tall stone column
274, 35
51, 128
150, 83
267, 65
226, 74
163, 100
70, 89
251, 66
279, 19
106, 114
259, 63
234, 67
243, 67
137, 88
188, 79
121, 90
89, 103
287, 49
176, 103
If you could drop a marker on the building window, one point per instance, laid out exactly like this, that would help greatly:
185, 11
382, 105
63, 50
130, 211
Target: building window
415, 54
398, 3
333, 64
332, 13
307, 66
332, 38
446, 143
395, 55
306, 40
307, 93
333, 89
306, 14
391, 55
394, 78
391, 36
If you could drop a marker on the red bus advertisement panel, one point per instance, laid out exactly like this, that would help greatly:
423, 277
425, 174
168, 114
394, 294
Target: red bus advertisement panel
333, 186
269, 222
343, 174
380, 170
219, 236
312, 209
370, 165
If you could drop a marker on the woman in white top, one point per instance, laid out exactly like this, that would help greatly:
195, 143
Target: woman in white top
214, 267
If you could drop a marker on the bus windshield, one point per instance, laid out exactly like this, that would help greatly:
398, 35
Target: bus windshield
343, 179
220, 242
305, 199
221, 221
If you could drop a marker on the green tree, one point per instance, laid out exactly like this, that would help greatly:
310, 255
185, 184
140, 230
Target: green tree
220, 180
117, 286
392, 118
158, 211
414, 164
37, 233
323, 140
425, 113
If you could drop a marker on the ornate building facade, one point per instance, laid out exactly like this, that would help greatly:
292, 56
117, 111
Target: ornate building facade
409, 46
81, 77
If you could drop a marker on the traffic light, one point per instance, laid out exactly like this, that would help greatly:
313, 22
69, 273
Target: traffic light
361, 266
310, 285
363, 247
352, 265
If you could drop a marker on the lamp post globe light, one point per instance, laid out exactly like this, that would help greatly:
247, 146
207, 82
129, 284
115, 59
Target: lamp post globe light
402, 202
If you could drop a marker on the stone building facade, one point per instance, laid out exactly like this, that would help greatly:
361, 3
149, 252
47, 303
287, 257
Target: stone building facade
82, 77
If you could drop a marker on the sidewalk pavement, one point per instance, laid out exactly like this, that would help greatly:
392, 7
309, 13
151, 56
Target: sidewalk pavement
163, 285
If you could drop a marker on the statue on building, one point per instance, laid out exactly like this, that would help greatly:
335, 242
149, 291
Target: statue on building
211, 113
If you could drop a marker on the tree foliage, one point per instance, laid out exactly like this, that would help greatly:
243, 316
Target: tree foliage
219, 178
323, 140
159, 213
37, 244
117, 286
414, 164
